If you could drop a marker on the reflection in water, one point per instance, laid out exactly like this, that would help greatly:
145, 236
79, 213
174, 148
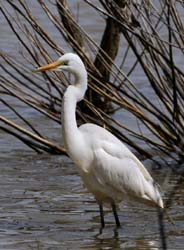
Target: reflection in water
107, 243
118, 242
44, 206
102, 230
147, 244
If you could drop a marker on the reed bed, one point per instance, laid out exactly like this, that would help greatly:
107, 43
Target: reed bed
152, 33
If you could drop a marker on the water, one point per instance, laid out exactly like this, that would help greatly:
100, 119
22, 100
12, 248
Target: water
45, 206
43, 202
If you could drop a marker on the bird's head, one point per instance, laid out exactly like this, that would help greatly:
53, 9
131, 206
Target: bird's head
69, 62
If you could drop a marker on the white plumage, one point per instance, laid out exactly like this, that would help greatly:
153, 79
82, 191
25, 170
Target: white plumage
110, 171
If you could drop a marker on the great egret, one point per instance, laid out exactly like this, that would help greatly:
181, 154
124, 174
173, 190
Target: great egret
109, 170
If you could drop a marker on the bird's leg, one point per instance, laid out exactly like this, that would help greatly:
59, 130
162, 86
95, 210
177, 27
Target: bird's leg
102, 215
162, 228
115, 214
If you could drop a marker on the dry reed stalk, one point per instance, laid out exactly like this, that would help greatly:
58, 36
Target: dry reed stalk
141, 26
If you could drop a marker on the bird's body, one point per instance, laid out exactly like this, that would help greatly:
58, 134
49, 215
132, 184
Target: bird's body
110, 171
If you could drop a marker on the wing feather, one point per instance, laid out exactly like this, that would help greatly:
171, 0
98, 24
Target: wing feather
121, 172
115, 171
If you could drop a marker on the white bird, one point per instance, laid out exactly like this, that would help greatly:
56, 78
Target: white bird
109, 170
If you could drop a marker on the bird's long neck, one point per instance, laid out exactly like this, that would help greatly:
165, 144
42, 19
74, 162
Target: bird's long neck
70, 131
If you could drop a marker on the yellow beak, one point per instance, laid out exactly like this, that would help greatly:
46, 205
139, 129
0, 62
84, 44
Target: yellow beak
49, 66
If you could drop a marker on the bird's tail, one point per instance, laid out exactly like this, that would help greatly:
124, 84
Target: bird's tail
158, 197
153, 194
160, 202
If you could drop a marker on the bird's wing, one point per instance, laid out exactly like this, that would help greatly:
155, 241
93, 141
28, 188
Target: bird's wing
103, 139
120, 151
120, 170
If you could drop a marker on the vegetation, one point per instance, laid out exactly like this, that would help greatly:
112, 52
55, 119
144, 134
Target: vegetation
152, 33
140, 38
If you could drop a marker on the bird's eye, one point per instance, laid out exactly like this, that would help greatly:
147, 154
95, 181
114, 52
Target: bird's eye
65, 63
